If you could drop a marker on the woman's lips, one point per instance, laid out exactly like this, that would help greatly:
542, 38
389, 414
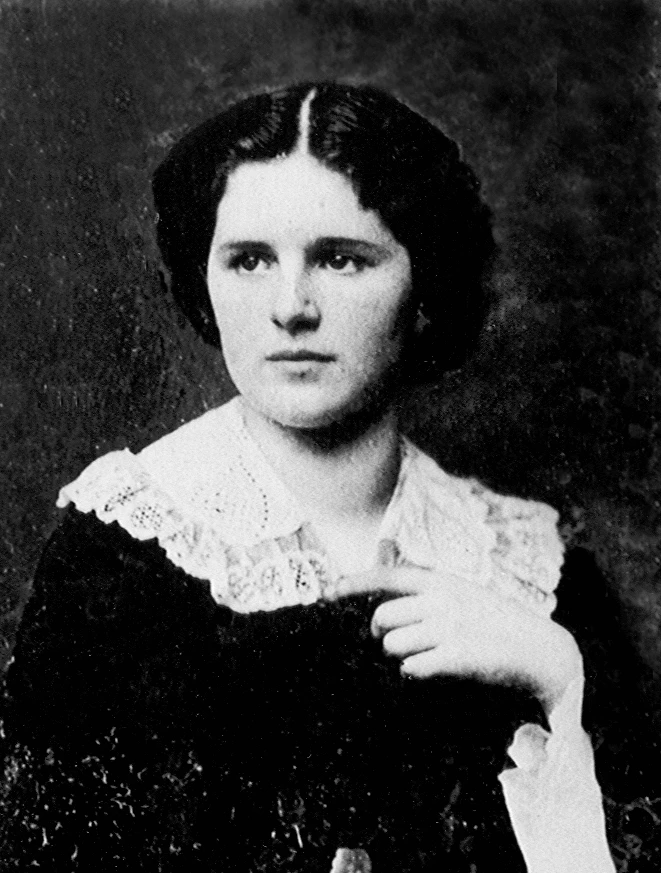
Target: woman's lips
302, 355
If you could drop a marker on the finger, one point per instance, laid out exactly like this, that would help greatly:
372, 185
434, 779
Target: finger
439, 661
410, 580
397, 613
401, 580
410, 640
360, 583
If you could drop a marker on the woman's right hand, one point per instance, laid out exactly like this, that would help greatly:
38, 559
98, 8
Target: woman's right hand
442, 624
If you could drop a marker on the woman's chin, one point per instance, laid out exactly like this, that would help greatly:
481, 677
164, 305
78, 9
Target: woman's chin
304, 413
307, 418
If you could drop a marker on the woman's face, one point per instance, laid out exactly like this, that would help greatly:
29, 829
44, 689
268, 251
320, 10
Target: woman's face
309, 291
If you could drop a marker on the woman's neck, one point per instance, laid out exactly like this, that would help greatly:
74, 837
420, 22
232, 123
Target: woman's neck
344, 474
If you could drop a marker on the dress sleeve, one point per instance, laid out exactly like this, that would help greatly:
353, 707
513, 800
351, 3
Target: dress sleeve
109, 639
101, 602
552, 795
574, 787
620, 697
147, 727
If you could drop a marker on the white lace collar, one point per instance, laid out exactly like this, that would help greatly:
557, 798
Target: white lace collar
211, 499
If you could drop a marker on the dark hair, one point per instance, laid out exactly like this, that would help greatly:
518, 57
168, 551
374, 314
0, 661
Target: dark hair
400, 165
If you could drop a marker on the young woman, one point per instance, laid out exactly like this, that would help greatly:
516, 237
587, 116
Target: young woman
281, 637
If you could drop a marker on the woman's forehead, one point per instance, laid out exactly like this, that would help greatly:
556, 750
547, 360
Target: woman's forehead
293, 195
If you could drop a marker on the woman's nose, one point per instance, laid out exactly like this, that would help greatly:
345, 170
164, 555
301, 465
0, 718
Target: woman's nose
294, 305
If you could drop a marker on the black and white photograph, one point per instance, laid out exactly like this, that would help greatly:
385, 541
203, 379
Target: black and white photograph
330, 434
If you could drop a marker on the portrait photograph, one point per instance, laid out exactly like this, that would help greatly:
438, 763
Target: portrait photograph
330, 436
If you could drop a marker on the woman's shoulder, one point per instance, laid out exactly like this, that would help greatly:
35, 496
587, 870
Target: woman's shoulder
202, 442
478, 498
155, 494
172, 461
207, 476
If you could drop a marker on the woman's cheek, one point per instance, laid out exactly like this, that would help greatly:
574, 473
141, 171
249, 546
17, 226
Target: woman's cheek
383, 329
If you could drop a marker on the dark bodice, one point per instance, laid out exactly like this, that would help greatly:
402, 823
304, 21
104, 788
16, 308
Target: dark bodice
150, 729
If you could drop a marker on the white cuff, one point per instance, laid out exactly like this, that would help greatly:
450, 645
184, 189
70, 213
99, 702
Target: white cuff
552, 794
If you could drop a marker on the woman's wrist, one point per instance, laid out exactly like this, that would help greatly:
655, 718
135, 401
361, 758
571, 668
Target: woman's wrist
560, 664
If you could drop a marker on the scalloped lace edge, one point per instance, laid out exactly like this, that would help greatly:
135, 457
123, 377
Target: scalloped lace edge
523, 548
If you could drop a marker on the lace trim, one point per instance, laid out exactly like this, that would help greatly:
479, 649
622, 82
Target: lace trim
434, 520
287, 571
526, 546
213, 466
503, 543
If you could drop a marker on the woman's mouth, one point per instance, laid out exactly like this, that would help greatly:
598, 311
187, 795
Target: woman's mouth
301, 355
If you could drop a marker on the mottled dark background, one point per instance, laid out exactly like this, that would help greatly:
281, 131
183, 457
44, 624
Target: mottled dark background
555, 103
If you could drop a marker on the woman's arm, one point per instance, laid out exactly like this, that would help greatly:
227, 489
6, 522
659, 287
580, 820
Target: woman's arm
101, 603
617, 724
444, 625
620, 712
99, 702
148, 725
441, 624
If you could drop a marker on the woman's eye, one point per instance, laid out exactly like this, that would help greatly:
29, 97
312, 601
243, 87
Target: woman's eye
247, 262
340, 263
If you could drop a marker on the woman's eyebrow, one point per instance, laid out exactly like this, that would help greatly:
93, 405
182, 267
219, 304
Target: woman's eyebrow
321, 245
349, 244
245, 245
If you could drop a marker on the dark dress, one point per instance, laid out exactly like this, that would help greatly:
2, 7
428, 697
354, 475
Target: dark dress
148, 728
